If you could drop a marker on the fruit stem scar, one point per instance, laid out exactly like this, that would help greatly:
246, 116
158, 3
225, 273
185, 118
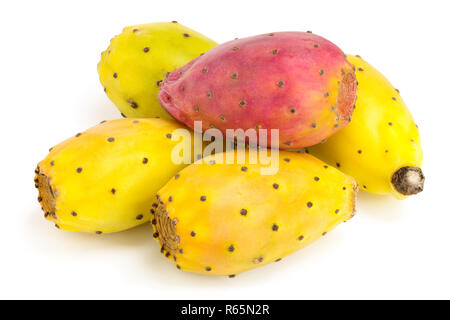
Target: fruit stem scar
46, 193
408, 180
165, 227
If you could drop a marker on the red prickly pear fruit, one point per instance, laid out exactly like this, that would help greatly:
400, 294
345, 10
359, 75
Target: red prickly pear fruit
296, 82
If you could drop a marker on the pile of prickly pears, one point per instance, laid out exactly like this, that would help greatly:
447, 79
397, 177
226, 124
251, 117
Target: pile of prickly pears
286, 129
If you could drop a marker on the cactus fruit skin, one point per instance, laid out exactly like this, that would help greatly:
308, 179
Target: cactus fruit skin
104, 179
296, 82
135, 62
224, 219
380, 148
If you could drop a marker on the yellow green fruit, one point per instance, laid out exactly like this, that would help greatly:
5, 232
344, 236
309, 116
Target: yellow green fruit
223, 219
135, 63
380, 148
104, 179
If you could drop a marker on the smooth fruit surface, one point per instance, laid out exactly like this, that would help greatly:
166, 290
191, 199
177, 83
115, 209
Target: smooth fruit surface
296, 82
223, 219
104, 179
136, 61
381, 146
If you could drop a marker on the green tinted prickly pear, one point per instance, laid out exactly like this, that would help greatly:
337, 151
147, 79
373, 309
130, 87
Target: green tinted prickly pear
134, 64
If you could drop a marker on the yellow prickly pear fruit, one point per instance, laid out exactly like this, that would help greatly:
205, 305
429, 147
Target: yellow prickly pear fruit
380, 148
105, 179
223, 219
134, 64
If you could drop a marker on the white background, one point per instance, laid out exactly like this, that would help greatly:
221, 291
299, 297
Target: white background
50, 90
